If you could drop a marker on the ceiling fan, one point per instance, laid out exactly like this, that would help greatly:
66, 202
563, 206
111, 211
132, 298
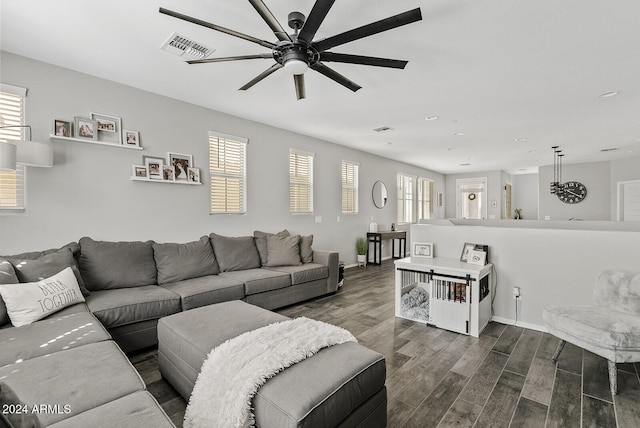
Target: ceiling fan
298, 52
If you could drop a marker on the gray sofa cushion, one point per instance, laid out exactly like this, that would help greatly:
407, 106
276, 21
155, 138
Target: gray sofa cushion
138, 409
73, 246
58, 332
306, 252
7, 276
260, 280
15, 419
261, 242
304, 273
206, 290
129, 305
81, 378
235, 253
108, 265
45, 265
283, 250
176, 262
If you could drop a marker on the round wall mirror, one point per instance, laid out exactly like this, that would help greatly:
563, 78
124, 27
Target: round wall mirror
379, 194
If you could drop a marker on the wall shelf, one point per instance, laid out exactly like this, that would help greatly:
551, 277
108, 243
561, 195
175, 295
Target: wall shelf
191, 183
87, 141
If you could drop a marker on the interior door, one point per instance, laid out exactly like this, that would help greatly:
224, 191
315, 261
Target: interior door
471, 198
629, 201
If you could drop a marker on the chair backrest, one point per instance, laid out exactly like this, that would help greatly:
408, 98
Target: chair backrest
618, 290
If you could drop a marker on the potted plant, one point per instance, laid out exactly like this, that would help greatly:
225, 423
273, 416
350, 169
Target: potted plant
362, 245
517, 212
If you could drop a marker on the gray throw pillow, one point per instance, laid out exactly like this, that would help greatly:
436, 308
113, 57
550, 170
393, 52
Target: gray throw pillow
235, 253
7, 276
306, 252
46, 264
109, 265
176, 262
261, 243
283, 250
8, 400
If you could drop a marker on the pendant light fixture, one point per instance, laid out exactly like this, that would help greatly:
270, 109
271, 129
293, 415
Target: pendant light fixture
556, 187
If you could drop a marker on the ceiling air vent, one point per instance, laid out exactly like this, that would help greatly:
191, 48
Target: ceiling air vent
186, 48
383, 129
612, 149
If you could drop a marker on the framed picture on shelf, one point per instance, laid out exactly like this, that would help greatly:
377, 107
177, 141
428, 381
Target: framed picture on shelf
154, 166
62, 128
168, 174
131, 138
109, 128
422, 249
181, 164
476, 257
140, 171
464, 257
194, 175
86, 128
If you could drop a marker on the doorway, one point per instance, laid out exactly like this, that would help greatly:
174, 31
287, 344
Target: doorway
471, 198
629, 200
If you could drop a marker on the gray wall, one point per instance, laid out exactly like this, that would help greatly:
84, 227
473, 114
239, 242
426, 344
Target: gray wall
495, 185
525, 195
88, 192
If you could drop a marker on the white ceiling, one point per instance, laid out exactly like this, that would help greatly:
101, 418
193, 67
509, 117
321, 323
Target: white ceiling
498, 71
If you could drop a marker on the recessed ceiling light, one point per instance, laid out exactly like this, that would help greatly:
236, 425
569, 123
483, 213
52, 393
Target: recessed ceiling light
470, 158
388, 144
522, 169
465, 164
432, 118
609, 94
531, 151
458, 134
519, 140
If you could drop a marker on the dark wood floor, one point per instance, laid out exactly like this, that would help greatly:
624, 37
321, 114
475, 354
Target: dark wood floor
504, 378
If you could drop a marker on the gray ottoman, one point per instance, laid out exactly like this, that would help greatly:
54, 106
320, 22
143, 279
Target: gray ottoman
340, 386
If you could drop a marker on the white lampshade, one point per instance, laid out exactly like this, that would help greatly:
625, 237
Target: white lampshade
7, 156
295, 66
34, 153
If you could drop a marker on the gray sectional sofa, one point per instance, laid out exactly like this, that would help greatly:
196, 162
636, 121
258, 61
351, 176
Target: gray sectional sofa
74, 360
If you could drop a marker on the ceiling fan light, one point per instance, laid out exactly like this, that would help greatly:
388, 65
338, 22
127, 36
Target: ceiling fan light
295, 66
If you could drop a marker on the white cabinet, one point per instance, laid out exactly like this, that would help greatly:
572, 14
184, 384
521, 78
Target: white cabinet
444, 292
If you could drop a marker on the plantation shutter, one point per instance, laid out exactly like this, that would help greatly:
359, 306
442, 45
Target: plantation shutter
12, 183
349, 187
300, 182
227, 169
425, 192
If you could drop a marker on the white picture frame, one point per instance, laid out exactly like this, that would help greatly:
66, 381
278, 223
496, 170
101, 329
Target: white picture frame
154, 167
194, 175
476, 257
130, 138
140, 172
422, 249
109, 128
168, 173
181, 164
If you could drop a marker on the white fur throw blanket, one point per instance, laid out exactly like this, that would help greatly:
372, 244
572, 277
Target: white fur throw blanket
234, 371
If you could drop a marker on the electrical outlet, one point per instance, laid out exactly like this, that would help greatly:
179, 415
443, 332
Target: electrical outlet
516, 292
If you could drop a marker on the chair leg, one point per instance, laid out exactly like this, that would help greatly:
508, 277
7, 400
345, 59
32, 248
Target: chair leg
613, 377
559, 349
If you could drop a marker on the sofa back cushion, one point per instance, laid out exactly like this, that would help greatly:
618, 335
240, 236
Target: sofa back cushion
107, 265
283, 250
306, 252
235, 253
7, 276
176, 262
261, 243
33, 301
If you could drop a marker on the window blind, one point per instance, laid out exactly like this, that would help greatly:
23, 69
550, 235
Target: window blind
12, 183
406, 195
349, 187
300, 182
425, 204
227, 169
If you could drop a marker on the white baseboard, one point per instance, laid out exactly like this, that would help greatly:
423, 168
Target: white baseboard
520, 324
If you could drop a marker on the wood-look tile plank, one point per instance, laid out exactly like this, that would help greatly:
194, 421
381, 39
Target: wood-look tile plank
460, 414
483, 381
539, 383
436, 405
502, 402
493, 329
529, 414
508, 339
547, 346
571, 359
627, 367
597, 413
521, 356
398, 412
627, 399
564, 410
474, 355
596, 377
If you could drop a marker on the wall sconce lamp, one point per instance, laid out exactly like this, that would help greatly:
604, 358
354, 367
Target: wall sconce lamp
25, 152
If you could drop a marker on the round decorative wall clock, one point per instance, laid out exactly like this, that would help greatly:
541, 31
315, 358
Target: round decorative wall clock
573, 192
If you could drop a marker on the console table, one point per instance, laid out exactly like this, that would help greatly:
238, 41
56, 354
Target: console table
376, 239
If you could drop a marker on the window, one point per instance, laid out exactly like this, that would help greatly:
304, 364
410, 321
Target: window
228, 172
406, 195
12, 183
349, 187
425, 204
300, 182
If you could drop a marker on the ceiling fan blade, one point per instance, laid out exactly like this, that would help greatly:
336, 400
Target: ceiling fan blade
230, 58
364, 60
335, 76
369, 29
315, 18
261, 76
271, 20
298, 79
217, 28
